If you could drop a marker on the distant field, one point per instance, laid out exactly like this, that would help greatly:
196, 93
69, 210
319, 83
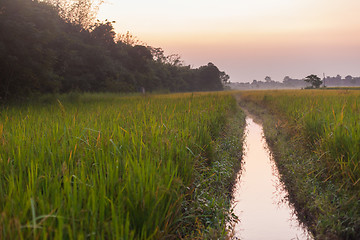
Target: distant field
103, 166
341, 88
326, 177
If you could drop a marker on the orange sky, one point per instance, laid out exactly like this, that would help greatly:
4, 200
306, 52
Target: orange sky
249, 39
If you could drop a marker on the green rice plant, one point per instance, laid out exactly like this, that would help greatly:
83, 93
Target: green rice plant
103, 166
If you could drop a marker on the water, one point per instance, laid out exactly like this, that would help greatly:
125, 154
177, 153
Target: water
260, 198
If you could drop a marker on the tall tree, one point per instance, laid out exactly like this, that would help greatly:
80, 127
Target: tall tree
209, 78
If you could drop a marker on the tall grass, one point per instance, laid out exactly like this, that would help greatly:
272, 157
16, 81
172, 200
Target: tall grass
102, 166
328, 121
316, 138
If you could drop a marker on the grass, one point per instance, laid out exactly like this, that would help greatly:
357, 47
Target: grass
322, 171
112, 167
213, 186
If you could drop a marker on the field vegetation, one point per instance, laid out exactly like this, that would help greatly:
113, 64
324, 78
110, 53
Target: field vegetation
104, 166
315, 136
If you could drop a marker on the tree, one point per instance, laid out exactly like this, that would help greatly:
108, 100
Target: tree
268, 79
79, 12
174, 60
209, 78
314, 80
158, 54
348, 77
138, 58
128, 39
286, 79
104, 33
50, 48
224, 78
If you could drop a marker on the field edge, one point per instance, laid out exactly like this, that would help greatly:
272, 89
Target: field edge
210, 203
295, 177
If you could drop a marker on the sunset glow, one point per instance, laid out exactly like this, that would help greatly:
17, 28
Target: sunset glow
249, 39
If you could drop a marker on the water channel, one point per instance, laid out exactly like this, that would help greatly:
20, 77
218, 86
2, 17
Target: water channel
260, 199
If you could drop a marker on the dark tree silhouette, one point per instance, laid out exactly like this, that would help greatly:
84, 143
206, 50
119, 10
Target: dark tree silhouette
314, 80
209, 78
224, 78
44, 49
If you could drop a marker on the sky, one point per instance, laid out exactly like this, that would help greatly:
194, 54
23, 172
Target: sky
248, 39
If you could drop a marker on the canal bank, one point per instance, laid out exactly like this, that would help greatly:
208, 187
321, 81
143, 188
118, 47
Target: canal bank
260, 199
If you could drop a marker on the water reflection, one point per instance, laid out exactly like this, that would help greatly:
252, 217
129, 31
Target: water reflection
260, 199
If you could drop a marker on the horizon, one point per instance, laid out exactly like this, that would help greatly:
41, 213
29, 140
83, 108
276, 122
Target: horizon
249, 39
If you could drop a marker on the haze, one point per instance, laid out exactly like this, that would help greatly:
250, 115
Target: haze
249, 39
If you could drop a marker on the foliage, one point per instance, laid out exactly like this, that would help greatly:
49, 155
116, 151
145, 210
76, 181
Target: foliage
80, 12
44, 51
128, 39
224, 78
314, 80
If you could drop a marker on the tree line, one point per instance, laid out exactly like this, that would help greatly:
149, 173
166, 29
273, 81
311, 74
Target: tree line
57, 47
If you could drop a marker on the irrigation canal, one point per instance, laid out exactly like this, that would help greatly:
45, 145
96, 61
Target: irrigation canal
260, 199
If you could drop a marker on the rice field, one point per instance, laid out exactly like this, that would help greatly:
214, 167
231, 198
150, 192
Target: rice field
316, 137
103, 166
329, 122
